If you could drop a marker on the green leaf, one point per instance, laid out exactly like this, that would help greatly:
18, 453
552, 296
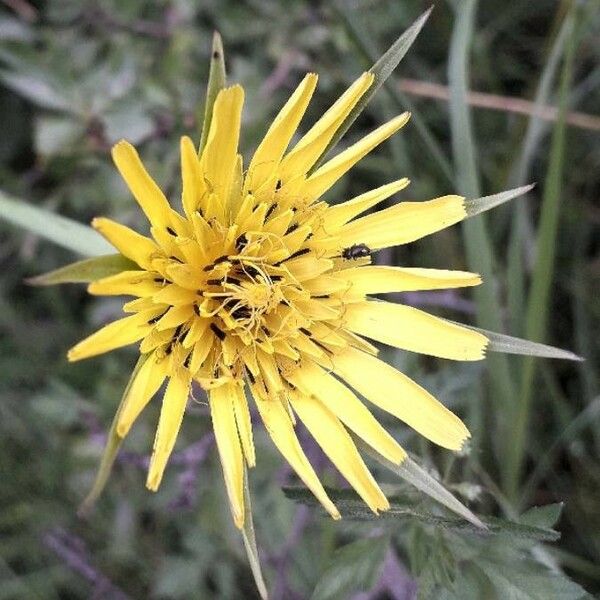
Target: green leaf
479, 205
43, 93
382, 69
404, 508
60, 230
249, 538
478, 246
500, 342
543, 516
84, 271
217, 78
111, 449
539, 299
354, 567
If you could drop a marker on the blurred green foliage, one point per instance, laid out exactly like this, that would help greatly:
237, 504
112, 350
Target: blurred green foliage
76, 76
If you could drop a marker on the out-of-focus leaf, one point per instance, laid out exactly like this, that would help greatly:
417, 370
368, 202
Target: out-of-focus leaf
84, 271
125, 120
57, 135
37, 90
55, 228
354, 567
14, 30
217, 78
382, 69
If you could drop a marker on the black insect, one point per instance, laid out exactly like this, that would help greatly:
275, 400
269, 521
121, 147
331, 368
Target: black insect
356, 251
241, 242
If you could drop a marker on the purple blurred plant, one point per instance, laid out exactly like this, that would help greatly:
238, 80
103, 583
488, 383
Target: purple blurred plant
72, 551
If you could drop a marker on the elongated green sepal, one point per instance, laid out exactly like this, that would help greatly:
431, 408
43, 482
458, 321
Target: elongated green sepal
249, 538
84, 271
411, 472
512, 345
479, 205
217, 78
69, 234
382, 69
113, 443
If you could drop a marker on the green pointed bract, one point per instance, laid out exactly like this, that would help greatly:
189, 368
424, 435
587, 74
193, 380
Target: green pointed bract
500, 342
64, 232
249, 538
111, 449
382, 69
84, 271
411, 472
217, 78
479, 205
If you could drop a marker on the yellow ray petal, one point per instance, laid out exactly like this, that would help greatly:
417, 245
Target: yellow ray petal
114, 335
397, 394
129, 243
330, 434
127, 283
312, 380
176, 315
324, 177
308, 267
279, 426
313, 143
230, 451
412, 329
219, 157
195, 332
384, 279
339, 214
269, 152
193, 185
405, 222
242, 419
169, 423
144, 189
147, 382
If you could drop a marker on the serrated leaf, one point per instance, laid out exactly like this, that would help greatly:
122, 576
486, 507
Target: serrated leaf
353, 568
352, 507
478, 205
111, 449
58, 229
249, 538
543, 516
84, 271
382, 69
217, 78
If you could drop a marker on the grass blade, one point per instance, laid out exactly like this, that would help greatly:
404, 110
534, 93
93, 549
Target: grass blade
479, 250
382, 69
478, 205
539, 296
216, 81
64, 232
84, 271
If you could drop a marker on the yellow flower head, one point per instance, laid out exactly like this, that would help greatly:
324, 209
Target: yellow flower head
259, 284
